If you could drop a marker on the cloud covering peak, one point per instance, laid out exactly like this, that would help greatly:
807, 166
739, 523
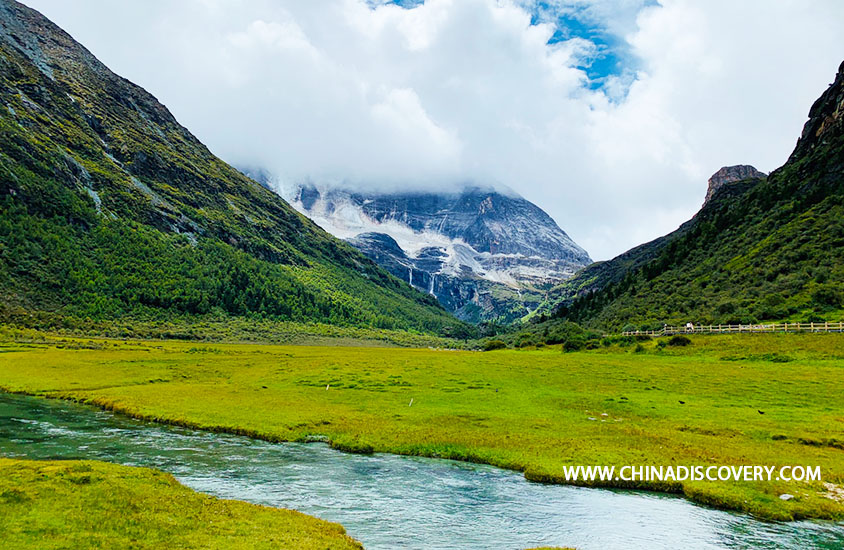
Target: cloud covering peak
610, 115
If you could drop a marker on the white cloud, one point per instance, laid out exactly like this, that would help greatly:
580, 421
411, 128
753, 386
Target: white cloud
469, 89
404, 117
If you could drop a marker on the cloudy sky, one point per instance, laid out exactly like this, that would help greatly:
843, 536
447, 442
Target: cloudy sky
609, 114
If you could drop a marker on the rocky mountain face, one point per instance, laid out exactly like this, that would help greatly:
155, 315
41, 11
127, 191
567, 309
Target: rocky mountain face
731, 174
826, 119
485, 254
760, 249
110, 209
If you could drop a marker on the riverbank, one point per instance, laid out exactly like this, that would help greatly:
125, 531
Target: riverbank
89, 504
732, 400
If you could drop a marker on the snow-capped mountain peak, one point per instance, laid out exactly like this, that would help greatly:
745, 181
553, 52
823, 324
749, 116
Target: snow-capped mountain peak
484, 253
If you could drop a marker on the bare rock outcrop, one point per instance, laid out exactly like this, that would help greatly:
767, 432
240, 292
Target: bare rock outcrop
731, 174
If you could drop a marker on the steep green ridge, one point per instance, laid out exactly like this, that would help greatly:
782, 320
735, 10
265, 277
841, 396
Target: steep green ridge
109, 208
761, 249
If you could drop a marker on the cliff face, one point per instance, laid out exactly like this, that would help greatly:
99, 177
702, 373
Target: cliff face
731, 174
488, 221
485, 254
826, 118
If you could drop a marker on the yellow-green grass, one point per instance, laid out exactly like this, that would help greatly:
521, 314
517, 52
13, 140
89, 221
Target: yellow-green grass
727, 400
223, 329
73, 504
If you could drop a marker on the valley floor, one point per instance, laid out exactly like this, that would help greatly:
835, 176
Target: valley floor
723, 400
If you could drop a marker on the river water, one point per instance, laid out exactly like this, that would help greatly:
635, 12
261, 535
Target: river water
388, 501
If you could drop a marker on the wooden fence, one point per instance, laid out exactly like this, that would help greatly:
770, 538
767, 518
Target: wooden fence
834, 326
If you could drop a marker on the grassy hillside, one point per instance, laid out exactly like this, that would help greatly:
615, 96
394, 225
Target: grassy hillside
74, 504
534, 411
109, 208
765, 249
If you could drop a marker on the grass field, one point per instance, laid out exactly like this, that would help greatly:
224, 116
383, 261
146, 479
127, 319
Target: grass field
48, 327
724, 400
71, 504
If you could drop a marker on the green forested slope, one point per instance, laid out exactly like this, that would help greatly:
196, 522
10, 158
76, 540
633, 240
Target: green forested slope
766, 249
109, 208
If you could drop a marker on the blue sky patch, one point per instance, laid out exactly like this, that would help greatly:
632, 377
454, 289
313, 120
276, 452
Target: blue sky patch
611, 57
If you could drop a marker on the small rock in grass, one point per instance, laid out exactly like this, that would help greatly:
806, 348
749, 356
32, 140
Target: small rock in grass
786, 496
591, 418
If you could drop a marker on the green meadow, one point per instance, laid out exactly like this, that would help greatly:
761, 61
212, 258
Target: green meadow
722, 400
75, 504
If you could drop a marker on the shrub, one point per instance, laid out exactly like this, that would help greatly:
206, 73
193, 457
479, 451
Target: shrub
525, 343
593, 335
593, 343
492, 345
622, 341
679, 340
565, 331
574, 344
827, 295
525, 340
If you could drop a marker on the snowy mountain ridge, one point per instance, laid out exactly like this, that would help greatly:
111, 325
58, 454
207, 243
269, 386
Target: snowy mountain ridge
485, 253
343, 217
